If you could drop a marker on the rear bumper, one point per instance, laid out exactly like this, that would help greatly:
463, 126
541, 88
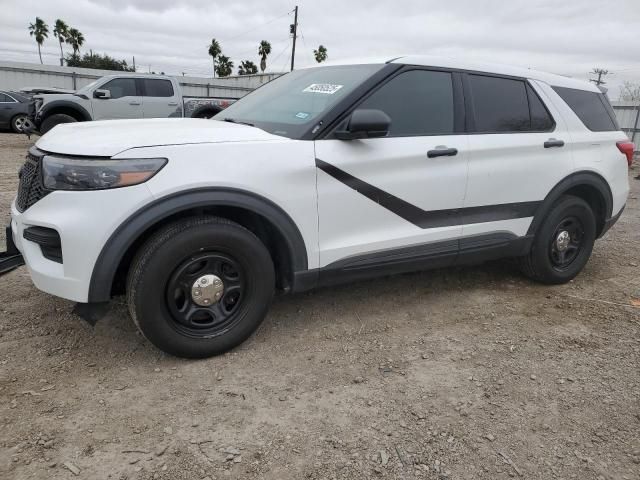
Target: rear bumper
611, 222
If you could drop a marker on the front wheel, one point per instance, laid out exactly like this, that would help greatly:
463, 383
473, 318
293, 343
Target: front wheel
200, 286
563, 243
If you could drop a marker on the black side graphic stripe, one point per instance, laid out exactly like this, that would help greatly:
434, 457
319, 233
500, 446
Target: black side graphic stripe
432, 218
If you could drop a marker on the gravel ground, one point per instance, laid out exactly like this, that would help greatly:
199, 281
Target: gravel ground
471, 373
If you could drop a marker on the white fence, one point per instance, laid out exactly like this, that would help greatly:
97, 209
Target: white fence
17, 75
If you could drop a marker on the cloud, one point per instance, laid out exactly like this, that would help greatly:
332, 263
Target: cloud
568, 37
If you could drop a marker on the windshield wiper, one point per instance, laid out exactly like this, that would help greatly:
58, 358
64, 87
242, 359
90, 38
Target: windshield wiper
233, 120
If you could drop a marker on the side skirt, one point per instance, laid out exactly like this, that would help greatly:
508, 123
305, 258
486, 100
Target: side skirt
464, 251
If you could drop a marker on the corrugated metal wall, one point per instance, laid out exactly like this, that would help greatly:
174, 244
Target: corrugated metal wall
17, 75
628, 116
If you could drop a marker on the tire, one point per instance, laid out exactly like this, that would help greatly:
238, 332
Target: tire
555, 258
161, 286
53, 120
18, 122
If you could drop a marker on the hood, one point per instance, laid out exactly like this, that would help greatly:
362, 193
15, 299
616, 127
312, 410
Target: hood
108, 137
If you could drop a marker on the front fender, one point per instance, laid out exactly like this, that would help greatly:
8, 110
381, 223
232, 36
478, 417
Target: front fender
129, 231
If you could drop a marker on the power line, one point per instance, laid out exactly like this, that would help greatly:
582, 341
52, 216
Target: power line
258, 27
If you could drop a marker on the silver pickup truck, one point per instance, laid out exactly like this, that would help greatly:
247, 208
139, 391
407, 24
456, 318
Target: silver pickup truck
121, 97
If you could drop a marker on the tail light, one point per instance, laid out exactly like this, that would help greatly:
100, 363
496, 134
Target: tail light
627, 149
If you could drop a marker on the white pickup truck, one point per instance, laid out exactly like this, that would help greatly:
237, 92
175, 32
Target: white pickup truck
122, 97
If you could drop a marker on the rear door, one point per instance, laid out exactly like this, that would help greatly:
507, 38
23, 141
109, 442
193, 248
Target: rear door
7, 109
377, 196
519, 150
160, 99
125, 101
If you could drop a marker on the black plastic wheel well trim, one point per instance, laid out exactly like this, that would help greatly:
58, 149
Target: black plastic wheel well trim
577, 179
137, 224
49, 108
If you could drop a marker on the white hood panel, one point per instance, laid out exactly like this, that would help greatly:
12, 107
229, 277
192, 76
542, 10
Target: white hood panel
109, 137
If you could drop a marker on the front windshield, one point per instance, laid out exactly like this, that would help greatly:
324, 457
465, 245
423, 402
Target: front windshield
86, 88
291, 104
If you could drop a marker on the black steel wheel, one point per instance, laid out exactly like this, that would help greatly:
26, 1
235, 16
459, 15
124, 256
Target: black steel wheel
566, 243
563, 243
204, 293
200, 286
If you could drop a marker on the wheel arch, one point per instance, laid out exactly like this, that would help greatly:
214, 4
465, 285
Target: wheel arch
588, 185
261, 216
68, 108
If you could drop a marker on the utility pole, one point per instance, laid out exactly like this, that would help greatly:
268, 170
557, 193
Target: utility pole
601, 73
294, 31
134, 63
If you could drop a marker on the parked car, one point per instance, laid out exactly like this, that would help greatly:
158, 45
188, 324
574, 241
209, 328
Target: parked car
122, 97
325, 175
14, 110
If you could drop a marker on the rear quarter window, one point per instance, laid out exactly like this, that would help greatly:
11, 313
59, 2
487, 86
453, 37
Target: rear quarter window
590, 107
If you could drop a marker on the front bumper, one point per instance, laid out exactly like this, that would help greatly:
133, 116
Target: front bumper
84, 221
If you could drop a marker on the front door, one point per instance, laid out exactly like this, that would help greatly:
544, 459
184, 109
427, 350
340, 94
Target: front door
380, 196
125, 101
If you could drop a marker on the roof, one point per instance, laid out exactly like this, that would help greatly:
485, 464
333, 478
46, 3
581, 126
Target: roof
477, 66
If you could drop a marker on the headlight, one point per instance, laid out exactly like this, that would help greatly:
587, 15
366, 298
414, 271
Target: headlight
61, 173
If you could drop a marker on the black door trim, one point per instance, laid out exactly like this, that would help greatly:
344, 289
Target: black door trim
430, 218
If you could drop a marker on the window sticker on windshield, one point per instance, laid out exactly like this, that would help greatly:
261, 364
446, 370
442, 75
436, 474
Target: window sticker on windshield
302, 115
326, 88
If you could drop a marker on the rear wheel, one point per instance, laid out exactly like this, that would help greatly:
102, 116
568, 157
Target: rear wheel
18, 123
55, 119
563, 243
200, 286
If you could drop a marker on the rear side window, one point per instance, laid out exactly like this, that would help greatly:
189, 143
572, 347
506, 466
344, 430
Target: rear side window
541, 120
419, 102
500, 104
590, 107
5, 98
157, 88
121, 87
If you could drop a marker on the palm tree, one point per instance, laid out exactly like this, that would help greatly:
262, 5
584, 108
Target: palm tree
61, 30
320, 54
214, 50
224, 66
264, 50
247, 67
40, 31
75, 39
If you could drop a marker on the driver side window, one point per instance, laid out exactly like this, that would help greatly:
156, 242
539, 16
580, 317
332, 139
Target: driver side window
419, 102
121, 87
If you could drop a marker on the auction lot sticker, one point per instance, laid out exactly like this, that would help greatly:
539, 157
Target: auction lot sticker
326, 88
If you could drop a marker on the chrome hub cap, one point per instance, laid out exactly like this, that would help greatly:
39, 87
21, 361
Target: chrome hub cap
563, 240
207, 290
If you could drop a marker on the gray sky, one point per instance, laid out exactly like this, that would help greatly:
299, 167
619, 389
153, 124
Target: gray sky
568, 37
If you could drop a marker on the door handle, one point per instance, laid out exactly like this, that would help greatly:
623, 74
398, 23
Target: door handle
173, 104
134, 103
442, 152
552, 142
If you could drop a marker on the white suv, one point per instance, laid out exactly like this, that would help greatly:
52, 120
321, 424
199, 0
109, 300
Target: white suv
325, 175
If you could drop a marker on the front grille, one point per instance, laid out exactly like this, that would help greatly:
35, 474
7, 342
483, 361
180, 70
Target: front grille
30, 187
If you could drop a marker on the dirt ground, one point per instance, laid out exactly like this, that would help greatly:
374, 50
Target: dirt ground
473, 373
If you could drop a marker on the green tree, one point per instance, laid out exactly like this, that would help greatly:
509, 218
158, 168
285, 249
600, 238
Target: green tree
320, 54
264, 50
75, 39
214, 50
60, 31
247, 67
101, 62
223, 66
40, 31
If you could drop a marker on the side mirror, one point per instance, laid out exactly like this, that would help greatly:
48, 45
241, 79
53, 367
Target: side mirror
104, 94
365, 123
